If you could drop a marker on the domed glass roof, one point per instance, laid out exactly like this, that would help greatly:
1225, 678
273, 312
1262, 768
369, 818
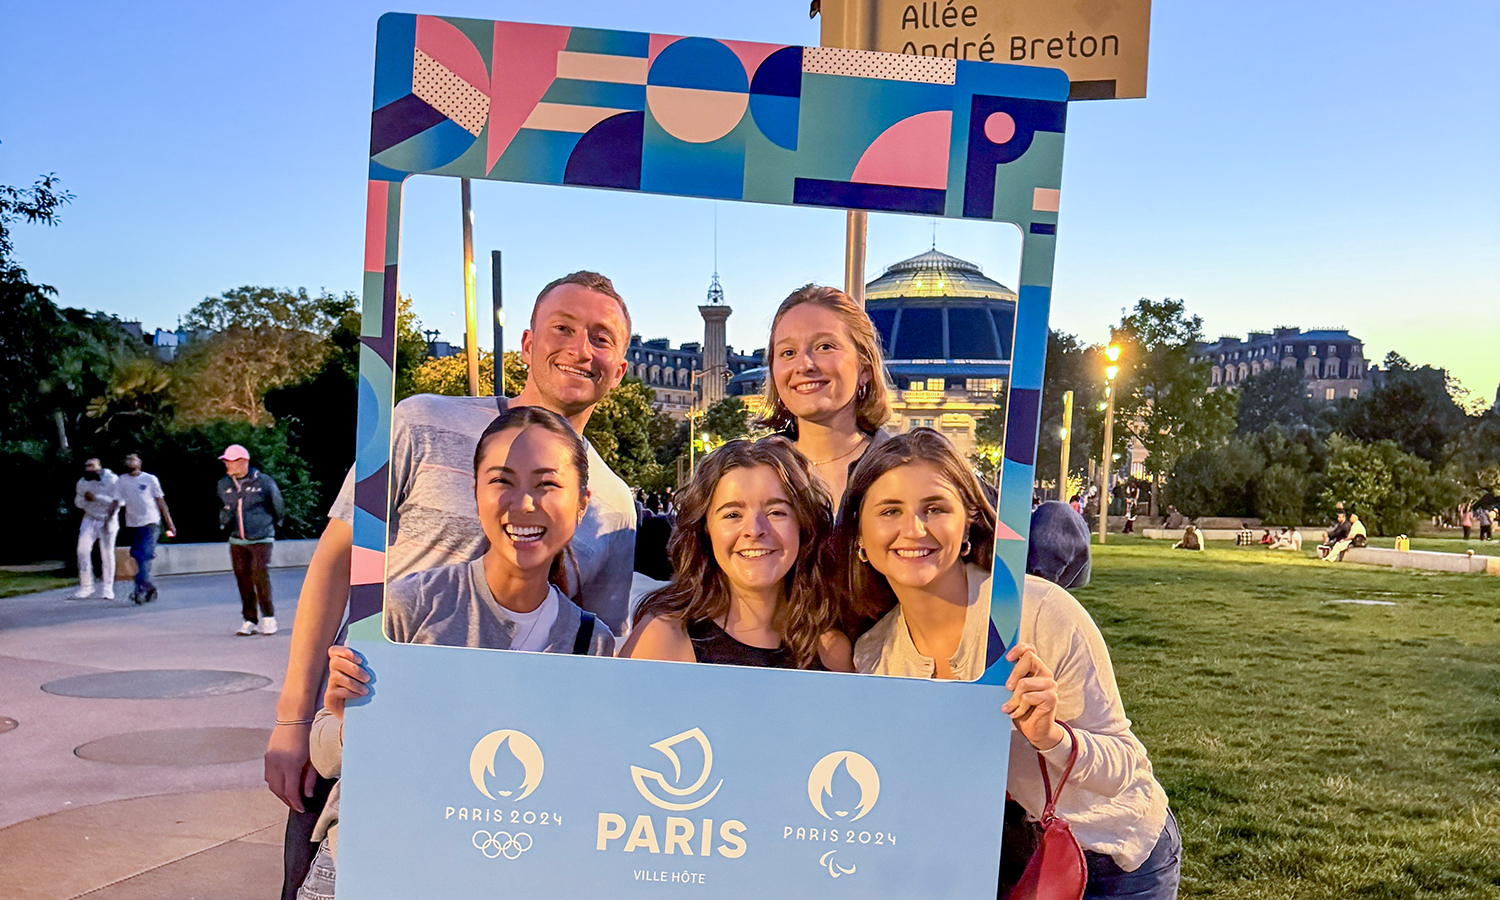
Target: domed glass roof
939, 307
935, 274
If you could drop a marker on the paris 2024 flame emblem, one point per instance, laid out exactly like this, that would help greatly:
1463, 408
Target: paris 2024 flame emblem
820, 784
521, 747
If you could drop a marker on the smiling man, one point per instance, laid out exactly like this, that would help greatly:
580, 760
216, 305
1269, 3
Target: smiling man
574, 349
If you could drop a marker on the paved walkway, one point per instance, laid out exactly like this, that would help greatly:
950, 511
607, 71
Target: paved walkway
149, 785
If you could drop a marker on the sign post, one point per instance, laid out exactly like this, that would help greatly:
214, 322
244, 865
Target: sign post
1101, 45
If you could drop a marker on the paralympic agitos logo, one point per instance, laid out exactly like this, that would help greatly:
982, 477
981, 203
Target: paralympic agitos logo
682, 793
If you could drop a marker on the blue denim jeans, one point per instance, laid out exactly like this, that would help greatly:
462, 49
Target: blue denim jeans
320, 877
143, 550
1156, 879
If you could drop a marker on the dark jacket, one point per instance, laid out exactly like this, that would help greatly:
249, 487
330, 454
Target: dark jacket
252, 506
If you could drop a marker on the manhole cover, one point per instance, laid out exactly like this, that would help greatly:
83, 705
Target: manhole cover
156, 684
7, 724
1365, 602
178, 747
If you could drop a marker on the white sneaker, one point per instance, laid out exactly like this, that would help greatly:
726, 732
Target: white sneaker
82, 594
246, 629
268, 625
109, 594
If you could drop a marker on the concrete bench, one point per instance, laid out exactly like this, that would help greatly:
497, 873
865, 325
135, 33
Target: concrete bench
1429, 560
1175, 534
193, 559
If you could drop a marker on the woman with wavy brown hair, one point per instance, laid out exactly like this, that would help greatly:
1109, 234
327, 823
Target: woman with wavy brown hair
825, 388
916, 537
749, 554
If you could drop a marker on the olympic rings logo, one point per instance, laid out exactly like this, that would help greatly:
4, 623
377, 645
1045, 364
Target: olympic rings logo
502, 843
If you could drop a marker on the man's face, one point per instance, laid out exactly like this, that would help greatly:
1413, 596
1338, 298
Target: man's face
575, 349
133, 463
237, 468
93, 466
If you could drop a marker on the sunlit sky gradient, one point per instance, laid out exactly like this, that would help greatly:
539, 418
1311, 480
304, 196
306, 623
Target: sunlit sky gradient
1317, 164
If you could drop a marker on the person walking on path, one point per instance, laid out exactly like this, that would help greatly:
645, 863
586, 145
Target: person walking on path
1484, 519
1467, 521
95, 495
145, 514
251, 508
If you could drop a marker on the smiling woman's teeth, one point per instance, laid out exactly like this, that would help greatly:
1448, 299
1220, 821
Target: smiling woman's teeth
755, 554
913, 554
524, 534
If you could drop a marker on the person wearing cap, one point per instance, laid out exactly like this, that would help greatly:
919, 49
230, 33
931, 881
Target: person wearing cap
251, 508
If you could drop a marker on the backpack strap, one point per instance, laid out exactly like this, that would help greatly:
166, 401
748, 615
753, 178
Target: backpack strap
585, 633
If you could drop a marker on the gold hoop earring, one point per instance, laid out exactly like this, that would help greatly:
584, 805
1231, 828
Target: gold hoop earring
863, 392
859, 551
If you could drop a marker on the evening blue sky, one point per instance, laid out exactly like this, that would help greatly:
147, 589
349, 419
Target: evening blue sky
1316, 164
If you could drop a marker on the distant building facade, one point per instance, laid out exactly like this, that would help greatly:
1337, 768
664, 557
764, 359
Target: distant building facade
669, 370
1331, 361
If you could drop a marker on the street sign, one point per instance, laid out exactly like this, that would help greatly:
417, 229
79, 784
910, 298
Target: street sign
1101, 44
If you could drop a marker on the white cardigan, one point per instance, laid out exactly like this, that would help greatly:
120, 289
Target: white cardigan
1112, 801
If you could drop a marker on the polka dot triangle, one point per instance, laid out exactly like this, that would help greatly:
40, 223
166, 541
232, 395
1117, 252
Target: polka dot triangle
450, 95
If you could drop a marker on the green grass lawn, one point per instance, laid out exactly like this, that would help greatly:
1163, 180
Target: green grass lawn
1312, 749
14, 583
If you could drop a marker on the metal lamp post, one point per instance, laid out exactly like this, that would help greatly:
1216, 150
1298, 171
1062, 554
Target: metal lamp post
1067, 440
693, 413
1112, 353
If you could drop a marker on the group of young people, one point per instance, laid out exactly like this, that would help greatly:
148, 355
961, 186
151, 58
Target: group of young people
829, 545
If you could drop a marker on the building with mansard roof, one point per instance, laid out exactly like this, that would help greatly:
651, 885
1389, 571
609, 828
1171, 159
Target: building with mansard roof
1331, 361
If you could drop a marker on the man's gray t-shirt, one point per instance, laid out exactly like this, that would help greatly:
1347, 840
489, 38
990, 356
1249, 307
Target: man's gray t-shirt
434, 520
452, 606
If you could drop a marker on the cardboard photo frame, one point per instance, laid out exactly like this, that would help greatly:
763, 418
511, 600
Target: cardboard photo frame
586, 738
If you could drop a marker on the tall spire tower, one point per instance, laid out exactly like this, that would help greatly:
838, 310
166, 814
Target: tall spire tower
715, 313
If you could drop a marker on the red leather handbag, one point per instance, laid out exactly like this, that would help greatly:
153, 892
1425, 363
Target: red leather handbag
1056, 870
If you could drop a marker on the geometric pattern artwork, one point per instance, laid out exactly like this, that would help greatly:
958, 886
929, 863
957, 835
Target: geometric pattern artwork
699, 117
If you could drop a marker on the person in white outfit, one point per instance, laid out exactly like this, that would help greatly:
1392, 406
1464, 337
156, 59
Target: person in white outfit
95, 495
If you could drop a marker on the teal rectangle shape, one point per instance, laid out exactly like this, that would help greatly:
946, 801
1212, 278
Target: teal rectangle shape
610, 43
596, 93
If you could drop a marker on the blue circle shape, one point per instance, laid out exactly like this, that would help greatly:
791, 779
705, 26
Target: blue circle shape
699, 63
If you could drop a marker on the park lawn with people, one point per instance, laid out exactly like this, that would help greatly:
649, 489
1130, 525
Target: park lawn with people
1312, 748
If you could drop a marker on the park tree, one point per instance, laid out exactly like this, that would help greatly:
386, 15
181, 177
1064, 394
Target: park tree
1217, 480
1078, 367
1162, 393
52, 359
1390, 489
1274, 397
1416, 407
260, 338
726, 420
449, 375
620, 430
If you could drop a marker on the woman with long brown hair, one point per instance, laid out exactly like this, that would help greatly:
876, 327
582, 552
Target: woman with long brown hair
749, 554
825, 388
916, 540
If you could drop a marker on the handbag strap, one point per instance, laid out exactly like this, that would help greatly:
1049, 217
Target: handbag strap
1049, 811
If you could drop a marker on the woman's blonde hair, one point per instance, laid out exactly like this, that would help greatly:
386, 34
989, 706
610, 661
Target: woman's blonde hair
872, 401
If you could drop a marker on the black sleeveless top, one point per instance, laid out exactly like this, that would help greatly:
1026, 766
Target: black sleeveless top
712, 644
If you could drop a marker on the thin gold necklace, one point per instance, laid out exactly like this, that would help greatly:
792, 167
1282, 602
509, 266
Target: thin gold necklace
857, 445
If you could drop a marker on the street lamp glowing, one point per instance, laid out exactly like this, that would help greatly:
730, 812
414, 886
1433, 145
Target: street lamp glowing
1111, 371
1112, 353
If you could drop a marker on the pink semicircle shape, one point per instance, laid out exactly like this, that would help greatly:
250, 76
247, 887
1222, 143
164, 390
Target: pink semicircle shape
911, 153
453, 49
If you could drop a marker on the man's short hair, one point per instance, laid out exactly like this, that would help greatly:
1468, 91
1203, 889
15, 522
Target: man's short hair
592, 281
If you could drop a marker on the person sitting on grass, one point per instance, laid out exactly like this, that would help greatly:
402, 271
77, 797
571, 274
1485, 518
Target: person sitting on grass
1289, 539
531, 487
1191, 539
